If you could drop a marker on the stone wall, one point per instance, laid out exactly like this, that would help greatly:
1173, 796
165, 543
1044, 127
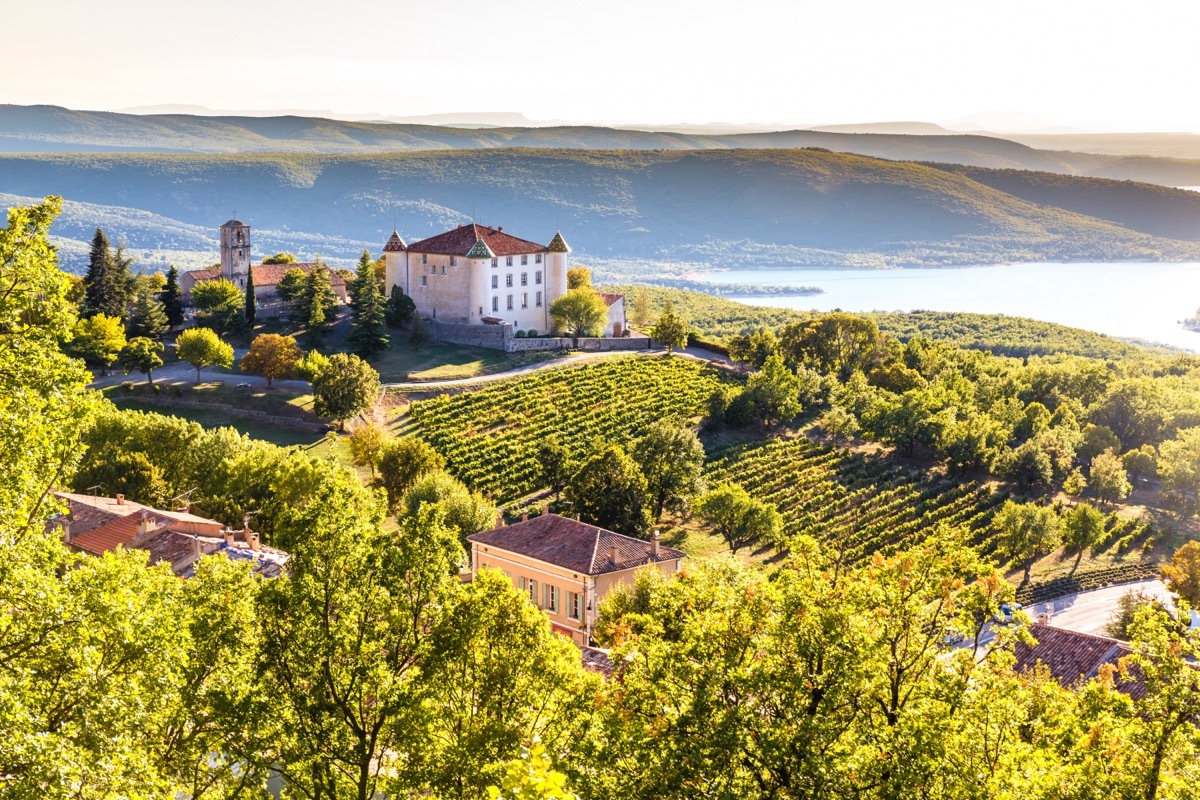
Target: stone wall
500, 337
490, 336
623, 343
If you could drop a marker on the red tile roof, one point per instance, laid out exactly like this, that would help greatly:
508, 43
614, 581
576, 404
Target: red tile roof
265, 274
573, 545
610, 298
203, 274
459, 242
1072, 657
119, 532
597, 661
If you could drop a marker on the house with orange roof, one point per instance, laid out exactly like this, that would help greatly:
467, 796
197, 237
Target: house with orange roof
97, 525
567, 567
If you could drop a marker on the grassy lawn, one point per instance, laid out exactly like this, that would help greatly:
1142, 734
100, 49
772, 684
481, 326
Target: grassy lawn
438, 362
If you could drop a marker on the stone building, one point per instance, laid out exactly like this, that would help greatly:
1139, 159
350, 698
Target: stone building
478, 275
235, 267
567, 566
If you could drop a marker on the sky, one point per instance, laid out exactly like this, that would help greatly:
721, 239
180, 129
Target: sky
1040, 63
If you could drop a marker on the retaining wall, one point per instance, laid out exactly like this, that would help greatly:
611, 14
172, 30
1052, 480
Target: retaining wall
232, 411
500, 337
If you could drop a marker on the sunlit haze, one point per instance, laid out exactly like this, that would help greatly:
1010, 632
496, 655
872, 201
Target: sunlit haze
1021, 64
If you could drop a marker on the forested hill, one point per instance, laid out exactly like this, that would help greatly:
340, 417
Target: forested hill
719, 207
25, 129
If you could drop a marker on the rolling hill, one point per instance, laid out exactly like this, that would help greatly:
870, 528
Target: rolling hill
718, 207
26, 129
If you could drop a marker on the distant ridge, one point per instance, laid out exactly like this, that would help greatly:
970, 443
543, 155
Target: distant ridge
50, 129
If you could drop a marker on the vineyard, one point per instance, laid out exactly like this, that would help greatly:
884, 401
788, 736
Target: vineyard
490, 437
857, 504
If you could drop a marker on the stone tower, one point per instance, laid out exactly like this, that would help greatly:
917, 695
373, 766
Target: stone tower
235, 252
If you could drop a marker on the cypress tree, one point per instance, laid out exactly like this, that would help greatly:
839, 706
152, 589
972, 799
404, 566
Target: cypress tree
317, 302
368, 334
251, 299
172, 298
95, 281
121, 283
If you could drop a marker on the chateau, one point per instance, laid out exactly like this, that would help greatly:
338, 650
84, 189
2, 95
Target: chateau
480, 275
236, 267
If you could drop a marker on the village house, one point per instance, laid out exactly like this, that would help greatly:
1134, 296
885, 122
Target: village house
1074, 658
616, 325
235, 267
97, 525
566, 567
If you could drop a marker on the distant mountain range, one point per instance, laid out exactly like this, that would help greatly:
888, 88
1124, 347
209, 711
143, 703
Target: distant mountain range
631, 212
36, 129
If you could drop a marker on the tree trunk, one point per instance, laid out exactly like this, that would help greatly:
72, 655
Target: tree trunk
197, 375
150, 377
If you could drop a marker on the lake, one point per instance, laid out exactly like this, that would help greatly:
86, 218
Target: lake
1130, 300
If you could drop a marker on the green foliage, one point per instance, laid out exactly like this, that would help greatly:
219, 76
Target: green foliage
400, 308
834, 344
202, 348
250, 303
273, 357
579, 278
739, 518
107, 283
402, 463
641, 307
1025, 532
419, 334
1182, 575
1075, 484
580, 312
1108, 479
671, 330
672, 460
367, 441
1141, 463
532, 776
345, 387
554, 464
98, 339
754, 349
1083, 528
149, 318
458, 508
142, 355
368, 334
1179, 467
609, 490
172, 298
219, 305
280, 258
312, 307
491, 435
1097, 439
291, 286
1121, 620
772, 394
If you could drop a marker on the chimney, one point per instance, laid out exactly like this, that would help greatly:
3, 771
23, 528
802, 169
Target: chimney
143, 523
66, 531
227, 534
499, 519
525, 516
197, 551
252, 540
120, 499
613, 558
500, 229
654, 544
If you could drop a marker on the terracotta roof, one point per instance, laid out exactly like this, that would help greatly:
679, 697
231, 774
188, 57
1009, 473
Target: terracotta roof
266, 274
395, 244
459, 242
573, 545
596, 660
234, 223
1072, 657
610, 298
119, 532
177, 549
558, 244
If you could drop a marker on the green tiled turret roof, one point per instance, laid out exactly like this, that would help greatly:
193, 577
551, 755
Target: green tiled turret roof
558, 244
480, 250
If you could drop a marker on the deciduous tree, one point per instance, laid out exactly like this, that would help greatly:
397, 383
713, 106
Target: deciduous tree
1025, 532
579, 278
580, 312
400, 308
1083, 527
834, 344
367, 442
202, 348
740, 519
219, 305
347, 386
773, 393
142, 355
99, 339
1108, 479
672, 459
1182, 575
670, 330
1179, 467
272, 356
402, 463
462, 511
609, 490
554, 464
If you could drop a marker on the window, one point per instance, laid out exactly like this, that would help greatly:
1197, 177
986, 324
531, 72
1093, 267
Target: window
550, 598
443, 269
539, 299
537, 259
508, 280
424, 280
453, 261
533, 593
524, 278
508, 261
495, 281
575, 605
424, 258
524, 260
495, 304
495, 262
524, 299
510, 302
537, 277
432, 269
521, 584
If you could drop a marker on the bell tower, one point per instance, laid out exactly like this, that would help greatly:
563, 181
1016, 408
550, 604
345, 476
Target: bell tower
235, 252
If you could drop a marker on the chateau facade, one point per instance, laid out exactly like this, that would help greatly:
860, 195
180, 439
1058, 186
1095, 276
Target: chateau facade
480, 275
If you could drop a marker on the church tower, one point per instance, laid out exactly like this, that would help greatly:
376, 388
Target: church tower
235, 252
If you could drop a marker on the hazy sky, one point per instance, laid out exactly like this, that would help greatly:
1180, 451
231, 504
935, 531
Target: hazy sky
1058, 62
